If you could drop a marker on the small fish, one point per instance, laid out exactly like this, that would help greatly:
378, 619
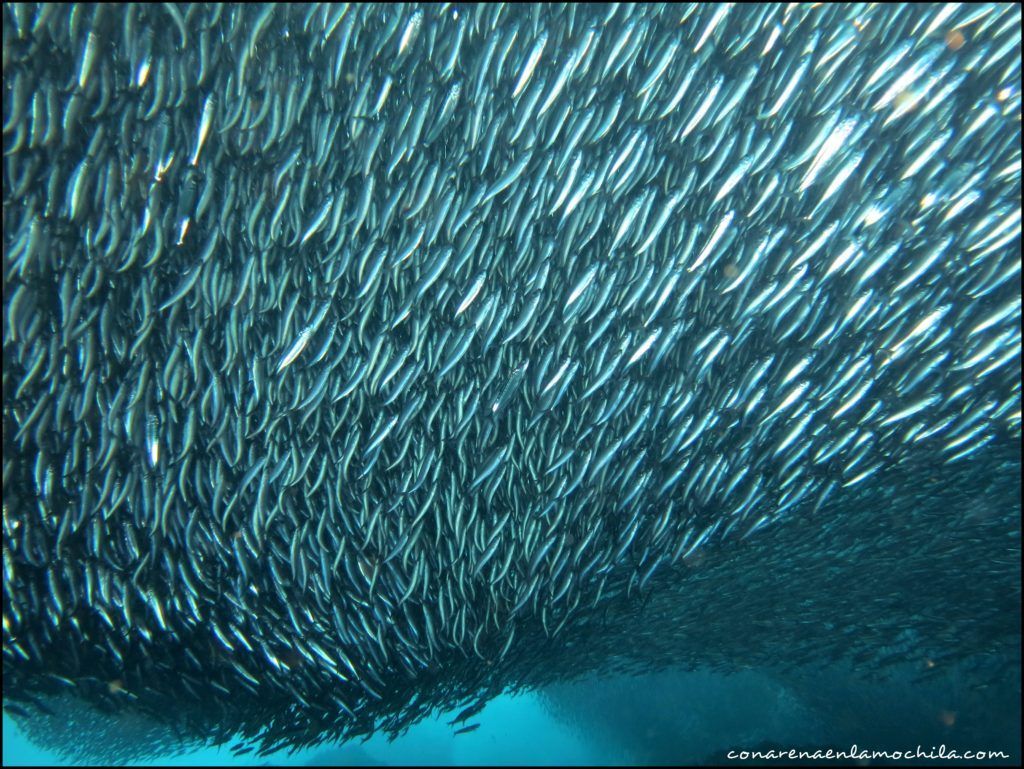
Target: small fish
354, 358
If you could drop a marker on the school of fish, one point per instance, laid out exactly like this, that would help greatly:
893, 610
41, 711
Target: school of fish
356, 358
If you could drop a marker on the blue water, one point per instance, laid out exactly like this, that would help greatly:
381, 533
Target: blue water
673, 717
513, 730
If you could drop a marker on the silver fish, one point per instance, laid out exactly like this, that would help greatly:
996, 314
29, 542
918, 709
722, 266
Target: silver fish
363, 362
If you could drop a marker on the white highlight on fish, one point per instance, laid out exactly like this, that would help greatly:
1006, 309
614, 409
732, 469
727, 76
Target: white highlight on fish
204, 128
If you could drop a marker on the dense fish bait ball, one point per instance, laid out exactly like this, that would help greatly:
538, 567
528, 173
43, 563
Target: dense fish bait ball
365, 360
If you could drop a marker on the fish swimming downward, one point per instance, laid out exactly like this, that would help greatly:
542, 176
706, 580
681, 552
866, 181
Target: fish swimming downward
363, 361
